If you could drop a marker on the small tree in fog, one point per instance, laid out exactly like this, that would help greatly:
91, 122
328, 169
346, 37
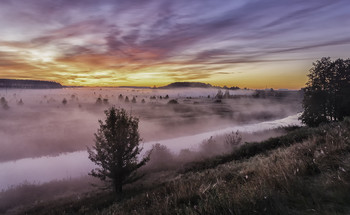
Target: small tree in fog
219, 95
161, 158
105, 101
210, 147
173, 102
186, 156
64, 101
116, 149
233, 139
3, 103
99, 101
226, 95
133, 100
126, 99
20, 102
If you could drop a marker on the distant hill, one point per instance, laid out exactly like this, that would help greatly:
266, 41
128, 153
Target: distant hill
28, 84
135, 87
187, 84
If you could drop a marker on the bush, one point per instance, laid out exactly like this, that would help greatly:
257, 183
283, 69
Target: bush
173, 102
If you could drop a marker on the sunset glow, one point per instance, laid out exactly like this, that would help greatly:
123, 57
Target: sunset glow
254, 44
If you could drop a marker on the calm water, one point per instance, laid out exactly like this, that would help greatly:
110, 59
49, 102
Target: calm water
76, 164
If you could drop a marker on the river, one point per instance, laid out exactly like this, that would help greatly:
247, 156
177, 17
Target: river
76, 164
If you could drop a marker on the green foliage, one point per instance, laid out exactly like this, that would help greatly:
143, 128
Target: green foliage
327, 94
116, 149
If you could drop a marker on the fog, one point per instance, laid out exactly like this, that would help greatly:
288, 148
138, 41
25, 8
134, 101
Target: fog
77, 164
43, 125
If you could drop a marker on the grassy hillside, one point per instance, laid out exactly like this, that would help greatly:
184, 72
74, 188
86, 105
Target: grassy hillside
303, 172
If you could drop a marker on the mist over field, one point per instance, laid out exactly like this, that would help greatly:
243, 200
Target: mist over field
43, 125
45, 133
249, 112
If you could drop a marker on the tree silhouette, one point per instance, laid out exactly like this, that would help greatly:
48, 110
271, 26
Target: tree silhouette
99, 101
64, 101
20, 102
133, 100
219, 95
116, 149
3, 103
173, 102
161, 158
327, 92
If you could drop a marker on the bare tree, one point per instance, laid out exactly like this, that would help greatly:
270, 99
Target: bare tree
233, 139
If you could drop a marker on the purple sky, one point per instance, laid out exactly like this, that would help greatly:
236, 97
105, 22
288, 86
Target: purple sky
155, 42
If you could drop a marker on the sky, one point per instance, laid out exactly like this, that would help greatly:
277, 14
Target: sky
245, 43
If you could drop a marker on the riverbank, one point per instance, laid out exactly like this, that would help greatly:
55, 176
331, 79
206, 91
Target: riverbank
77, 164
303, 172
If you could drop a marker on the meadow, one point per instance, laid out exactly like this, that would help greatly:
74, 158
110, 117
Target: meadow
44, 133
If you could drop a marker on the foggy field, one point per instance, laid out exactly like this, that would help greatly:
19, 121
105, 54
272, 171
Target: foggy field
44, 126
44, 138
174, 107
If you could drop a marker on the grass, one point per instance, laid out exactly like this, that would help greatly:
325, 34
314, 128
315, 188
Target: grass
29, 194
251, 149
306, 171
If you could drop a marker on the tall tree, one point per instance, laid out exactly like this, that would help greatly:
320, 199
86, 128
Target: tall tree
116, 149
327, 92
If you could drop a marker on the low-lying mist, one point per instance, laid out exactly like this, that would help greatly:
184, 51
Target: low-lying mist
182, 125
48, 122
163, 158
163, 161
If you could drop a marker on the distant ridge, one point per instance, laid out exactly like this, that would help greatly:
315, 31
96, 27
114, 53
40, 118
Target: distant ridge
135, 87
187, 84
28, 84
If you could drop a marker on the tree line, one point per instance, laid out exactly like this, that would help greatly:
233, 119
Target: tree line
327, 92
28, 84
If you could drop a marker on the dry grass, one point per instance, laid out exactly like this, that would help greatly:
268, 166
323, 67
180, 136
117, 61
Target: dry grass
311, 177
35, 194
308, 177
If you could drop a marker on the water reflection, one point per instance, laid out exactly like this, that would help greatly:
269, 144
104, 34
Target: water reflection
76, 164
